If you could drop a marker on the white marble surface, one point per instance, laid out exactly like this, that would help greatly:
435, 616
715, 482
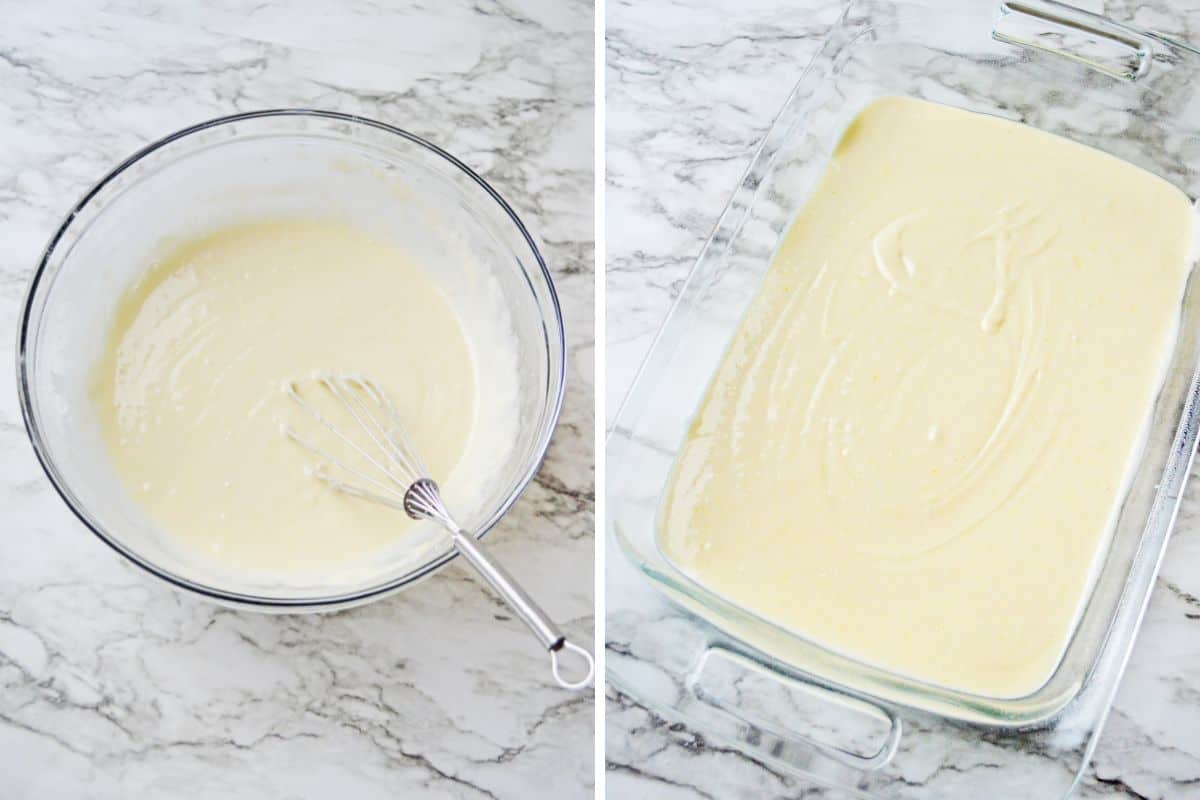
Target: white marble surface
113, 685
689, 94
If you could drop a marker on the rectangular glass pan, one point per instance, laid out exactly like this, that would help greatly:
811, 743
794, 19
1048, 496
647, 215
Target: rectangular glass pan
1116, 88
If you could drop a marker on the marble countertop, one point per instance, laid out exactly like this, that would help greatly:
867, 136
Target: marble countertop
689, 95
113, 685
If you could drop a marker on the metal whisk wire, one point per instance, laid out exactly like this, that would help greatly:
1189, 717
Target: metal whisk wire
400, 481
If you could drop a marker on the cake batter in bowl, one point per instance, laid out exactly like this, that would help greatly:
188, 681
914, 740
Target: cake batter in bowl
373, 234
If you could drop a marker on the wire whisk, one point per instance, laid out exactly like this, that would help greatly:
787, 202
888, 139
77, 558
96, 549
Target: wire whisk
380, 465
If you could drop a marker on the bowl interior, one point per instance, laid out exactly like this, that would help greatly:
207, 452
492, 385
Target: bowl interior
293, 165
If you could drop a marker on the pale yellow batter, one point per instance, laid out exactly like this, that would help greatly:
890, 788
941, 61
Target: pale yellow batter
915, 447
189, 395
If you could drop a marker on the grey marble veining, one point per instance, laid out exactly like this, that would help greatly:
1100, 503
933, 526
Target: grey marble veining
690, 93
113, 685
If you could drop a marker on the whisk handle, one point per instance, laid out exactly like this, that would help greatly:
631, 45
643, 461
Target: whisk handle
523, 605
498, 578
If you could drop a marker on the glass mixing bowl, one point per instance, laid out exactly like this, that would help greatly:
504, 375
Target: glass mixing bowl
268, 165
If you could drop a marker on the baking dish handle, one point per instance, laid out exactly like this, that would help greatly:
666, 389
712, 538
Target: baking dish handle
1090, 39
787, 719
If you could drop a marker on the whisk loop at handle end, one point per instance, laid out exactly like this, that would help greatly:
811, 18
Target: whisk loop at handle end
423, 501
381, 466
522, 604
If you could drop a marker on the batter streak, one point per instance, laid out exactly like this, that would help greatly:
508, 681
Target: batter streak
189, 388
915, 446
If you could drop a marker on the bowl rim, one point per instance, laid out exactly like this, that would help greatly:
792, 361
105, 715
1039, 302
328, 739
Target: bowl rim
33, 430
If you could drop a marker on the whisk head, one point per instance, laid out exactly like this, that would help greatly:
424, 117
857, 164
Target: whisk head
374, 459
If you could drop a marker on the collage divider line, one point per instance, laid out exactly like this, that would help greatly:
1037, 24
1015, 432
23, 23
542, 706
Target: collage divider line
599, 362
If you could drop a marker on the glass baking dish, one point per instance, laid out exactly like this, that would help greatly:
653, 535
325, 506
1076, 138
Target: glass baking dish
1114, 87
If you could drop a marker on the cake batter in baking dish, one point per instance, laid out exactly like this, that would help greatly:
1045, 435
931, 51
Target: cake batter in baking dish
916, 446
